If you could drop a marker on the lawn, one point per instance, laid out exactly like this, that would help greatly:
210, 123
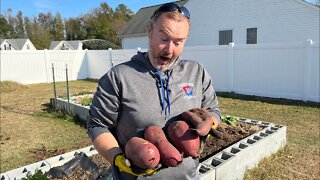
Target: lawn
30, 131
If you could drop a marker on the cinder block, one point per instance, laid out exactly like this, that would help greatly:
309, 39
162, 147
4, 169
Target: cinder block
89, 151
62, 159
207, 172
224, 165
22, 172
4, 176
76, 109
240, 154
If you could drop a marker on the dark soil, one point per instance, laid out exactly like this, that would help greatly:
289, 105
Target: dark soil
230, 134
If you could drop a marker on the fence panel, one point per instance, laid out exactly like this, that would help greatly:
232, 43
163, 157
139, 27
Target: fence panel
27, 67
71, 59
99, 62
314, 86
269, 70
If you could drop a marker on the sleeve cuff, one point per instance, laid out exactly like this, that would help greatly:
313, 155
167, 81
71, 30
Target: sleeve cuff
96, 131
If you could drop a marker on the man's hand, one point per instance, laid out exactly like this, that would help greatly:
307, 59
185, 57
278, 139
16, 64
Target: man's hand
124, 165
199, 119
213, 132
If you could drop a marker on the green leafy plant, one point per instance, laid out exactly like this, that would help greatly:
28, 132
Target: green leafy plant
38, 175
85, 101
232, 120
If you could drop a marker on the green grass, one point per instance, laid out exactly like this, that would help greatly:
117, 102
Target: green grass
300, 158
27, 124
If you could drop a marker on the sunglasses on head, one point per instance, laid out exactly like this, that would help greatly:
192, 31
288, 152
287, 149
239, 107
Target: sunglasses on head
172, 7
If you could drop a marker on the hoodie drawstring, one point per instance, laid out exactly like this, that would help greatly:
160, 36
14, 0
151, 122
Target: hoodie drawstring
167, 89
163, 92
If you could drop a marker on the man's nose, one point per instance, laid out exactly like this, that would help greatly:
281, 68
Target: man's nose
169, 47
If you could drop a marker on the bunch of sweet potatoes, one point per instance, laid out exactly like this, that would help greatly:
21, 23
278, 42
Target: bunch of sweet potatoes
182, 140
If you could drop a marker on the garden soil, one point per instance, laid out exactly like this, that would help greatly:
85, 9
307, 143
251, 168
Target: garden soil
100, 168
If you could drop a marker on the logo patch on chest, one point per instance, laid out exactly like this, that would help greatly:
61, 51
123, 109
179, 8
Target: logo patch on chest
187, 89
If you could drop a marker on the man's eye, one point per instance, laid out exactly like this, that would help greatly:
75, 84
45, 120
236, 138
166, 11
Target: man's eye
164, 40
178, 43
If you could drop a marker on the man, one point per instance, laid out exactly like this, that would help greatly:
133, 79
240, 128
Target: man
153, 88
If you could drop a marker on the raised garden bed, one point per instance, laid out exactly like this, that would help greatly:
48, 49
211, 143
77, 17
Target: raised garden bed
241, 147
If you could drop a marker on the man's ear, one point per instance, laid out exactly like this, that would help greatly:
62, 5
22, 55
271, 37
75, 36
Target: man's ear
149, 29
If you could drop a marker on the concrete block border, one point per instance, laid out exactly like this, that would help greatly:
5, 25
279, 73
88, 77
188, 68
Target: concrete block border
46, 165
233, 161
73, 108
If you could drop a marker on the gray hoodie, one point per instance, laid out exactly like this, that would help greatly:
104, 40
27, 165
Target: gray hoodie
134, 95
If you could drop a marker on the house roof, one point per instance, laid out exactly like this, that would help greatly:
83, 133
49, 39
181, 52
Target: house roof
72, 44
138, 24
16, 43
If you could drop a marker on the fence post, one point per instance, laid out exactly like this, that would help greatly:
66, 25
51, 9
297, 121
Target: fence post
231, 66
46, 62
307, 70
110, 52
68, 94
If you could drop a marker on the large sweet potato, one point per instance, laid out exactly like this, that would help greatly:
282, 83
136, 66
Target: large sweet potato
184, 139
169, 155
200, 119
142, 153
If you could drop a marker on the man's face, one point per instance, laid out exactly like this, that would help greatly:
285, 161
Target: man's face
166, 41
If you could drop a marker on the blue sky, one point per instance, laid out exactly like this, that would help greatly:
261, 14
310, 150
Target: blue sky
69, 8
72, 8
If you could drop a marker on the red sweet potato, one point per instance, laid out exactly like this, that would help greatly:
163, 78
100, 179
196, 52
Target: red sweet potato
154, 134
184, 139
169, 155
142, 153
200, 119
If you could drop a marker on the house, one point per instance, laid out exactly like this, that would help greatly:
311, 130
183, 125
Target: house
220, 22
66, 45
16, 44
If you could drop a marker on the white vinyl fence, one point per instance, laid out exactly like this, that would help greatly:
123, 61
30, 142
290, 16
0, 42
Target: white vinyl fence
273, 70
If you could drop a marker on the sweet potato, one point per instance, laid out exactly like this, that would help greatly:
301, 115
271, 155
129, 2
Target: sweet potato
184, 139
169, 155
200, 119
154, 134
142, 153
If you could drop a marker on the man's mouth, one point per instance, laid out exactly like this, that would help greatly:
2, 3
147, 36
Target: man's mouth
164, 58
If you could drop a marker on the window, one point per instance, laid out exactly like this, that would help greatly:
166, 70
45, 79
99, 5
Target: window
225, 37
252, 36
28, 47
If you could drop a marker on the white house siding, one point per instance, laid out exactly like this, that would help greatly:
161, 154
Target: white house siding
135, 42
31, 46
5, 45
275, 20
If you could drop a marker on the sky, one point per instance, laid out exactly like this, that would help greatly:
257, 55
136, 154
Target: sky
69, 8
72, 8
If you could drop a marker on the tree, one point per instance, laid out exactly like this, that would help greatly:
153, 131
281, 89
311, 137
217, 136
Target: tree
40, 35
11, 21
27, 27
5, 28
20, 26
121, 16
74, 29
58, 32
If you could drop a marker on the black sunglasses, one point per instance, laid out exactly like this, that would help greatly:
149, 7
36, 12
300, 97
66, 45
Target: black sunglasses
172, 7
